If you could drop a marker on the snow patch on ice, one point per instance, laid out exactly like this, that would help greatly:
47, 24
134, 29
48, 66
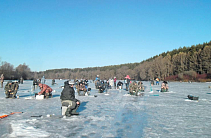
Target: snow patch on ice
169, 92
28, 98
126, 95
95, 118
22, 129
188, 100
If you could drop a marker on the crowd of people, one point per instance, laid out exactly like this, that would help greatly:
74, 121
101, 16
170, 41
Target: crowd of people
82, 87
67, 97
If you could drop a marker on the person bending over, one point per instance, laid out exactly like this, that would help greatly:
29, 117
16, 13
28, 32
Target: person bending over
119, 85
45, 90
11, 89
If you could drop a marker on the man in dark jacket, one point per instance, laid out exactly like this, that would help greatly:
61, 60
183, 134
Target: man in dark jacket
53, 82
69, 100
119, 85
101, 87
35, 83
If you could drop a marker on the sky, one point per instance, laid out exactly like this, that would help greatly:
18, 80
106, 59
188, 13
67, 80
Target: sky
55, 34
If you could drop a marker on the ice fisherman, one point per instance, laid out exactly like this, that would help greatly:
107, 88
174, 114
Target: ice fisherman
140, 86
2, 80
111, 81
127, 82
45, 90
107, 85
81, 87
43, 80
97, 82
133, 88
164, 86
97, 78
119, 85
86, 82
152, 82
39, 81
157, 81
11, 89
101, 87
53, 82
21, 80
35, 83
68, 99
114, 82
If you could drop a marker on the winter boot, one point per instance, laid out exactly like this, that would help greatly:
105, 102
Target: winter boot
7, 94
13, 96
74, 111
68, 112
46, 95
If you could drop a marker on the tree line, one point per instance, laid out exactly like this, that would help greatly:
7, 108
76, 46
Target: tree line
11, 73
178, 64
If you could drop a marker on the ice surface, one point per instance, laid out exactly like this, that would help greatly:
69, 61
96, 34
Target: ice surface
115, 115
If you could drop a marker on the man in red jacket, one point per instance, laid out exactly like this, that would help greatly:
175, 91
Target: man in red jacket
45, 90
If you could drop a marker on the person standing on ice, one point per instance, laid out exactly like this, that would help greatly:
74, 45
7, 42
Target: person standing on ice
157, 81
68, 99
35, 83
2, 80
53, 82
43, 80
45, 90
21, 80
114, 82
97, 78
127, 82
111, 83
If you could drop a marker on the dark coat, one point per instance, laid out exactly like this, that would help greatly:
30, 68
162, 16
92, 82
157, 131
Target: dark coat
119, 83
128, 81
35, 82
68, 93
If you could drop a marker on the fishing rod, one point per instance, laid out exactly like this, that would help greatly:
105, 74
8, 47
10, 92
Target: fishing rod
4, 116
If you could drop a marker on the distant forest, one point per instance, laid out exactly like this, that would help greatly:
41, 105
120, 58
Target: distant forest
183, 64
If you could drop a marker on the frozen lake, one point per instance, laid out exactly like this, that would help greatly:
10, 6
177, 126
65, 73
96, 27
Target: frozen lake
154, 115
